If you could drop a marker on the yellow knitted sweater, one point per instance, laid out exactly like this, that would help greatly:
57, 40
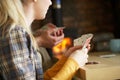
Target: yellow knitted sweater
64, 69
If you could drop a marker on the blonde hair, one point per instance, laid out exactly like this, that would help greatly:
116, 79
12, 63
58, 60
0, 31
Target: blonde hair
12, 14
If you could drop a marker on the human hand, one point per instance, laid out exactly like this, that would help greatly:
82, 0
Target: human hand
49, 36
68, 52
57, 30
80, 56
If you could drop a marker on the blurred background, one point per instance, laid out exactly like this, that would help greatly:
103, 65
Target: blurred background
100, 17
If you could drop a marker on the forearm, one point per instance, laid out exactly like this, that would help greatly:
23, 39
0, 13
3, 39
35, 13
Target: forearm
66, 71
53, 70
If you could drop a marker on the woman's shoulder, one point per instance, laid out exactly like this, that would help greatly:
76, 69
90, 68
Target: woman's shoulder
18, 28
17, 31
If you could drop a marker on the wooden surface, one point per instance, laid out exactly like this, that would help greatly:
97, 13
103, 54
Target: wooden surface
107, 69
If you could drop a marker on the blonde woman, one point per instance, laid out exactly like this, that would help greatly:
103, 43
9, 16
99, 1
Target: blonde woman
19, 59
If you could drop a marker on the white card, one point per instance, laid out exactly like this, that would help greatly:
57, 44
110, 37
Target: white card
81, 40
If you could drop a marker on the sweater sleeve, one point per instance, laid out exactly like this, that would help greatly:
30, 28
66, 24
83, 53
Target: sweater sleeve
65, 68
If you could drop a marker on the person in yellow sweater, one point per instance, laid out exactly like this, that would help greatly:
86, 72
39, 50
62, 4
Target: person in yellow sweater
19, 59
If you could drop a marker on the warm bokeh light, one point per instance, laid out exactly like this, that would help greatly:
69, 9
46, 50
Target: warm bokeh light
59, 49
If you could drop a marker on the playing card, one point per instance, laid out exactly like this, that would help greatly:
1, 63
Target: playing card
83, 40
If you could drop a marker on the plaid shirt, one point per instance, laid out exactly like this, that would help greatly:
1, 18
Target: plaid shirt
18, 59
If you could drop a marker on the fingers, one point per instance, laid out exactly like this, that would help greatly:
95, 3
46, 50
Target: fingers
57, 36
71, 50
80, 57
53, 30
57, 32
88, 47
87, 42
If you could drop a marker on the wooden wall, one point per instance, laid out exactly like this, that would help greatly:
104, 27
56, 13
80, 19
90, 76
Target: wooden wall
86, 15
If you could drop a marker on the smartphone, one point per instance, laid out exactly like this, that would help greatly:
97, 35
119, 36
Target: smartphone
83, 40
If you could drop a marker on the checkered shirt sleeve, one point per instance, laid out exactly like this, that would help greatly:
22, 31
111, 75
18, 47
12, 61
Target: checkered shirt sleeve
18, 59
